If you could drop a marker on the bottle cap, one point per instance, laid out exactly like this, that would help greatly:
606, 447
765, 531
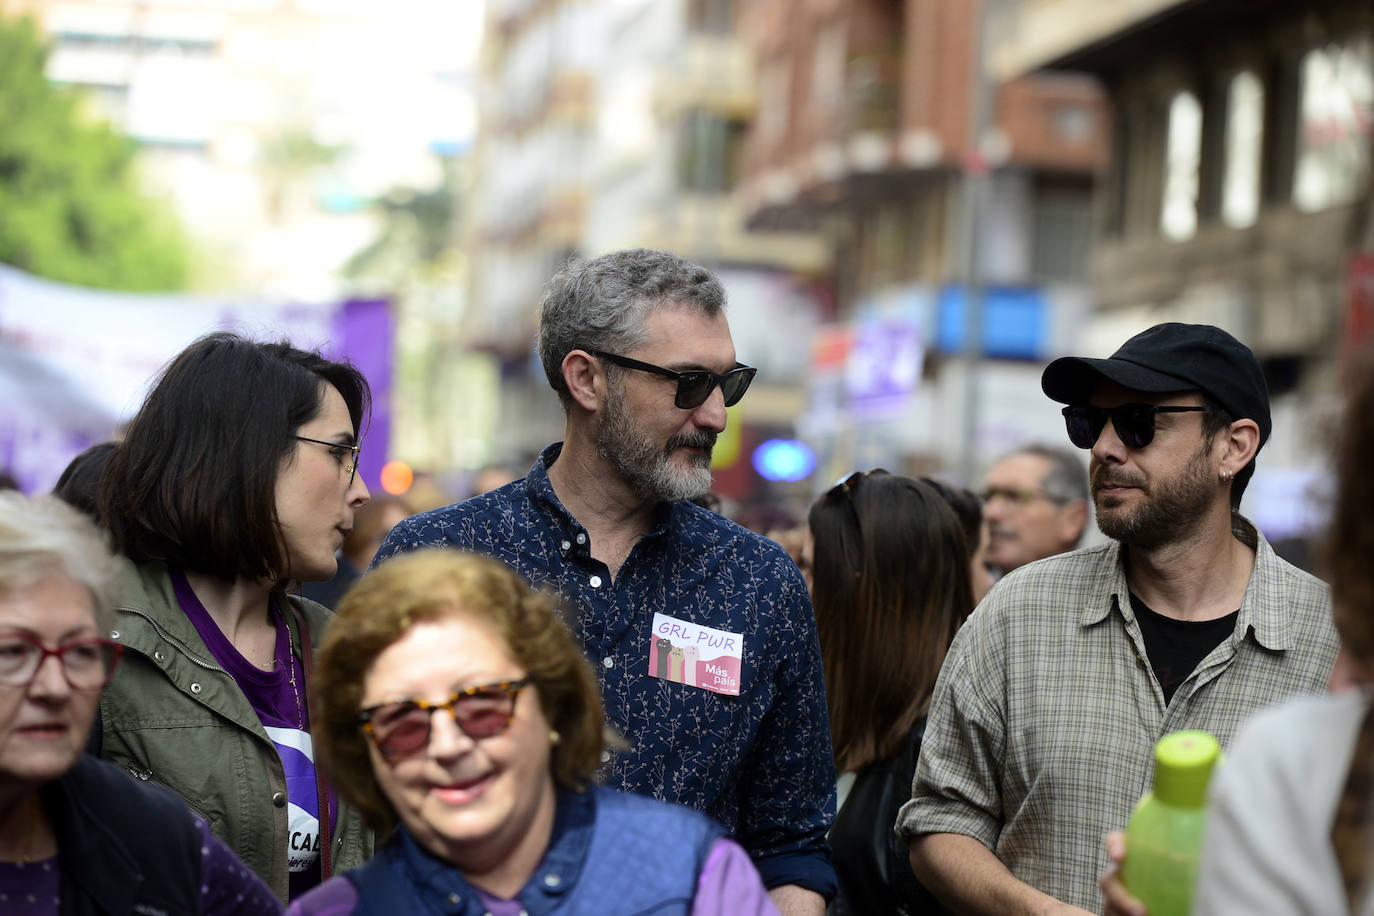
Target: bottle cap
1183, 766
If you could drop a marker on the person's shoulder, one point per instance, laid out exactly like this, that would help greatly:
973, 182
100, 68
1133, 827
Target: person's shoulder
142, 585
1074, 565
637, 808
317, 615
1304, 715
447, 525
1067, 576
95, 782
1299, 580
701, 524
1300, 745
335, 897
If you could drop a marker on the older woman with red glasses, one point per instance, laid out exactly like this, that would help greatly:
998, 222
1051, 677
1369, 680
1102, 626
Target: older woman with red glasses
458, 714
78, 835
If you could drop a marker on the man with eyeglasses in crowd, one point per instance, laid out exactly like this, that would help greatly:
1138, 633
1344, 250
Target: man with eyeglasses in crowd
1036, 502
701, 631
1053, 694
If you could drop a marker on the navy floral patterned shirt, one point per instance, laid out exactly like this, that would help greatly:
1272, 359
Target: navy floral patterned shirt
761, 762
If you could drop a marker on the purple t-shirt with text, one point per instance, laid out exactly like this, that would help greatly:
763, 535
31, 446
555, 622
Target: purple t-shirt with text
279, 698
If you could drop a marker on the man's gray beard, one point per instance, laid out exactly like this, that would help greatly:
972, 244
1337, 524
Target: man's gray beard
1169, 514
642, 464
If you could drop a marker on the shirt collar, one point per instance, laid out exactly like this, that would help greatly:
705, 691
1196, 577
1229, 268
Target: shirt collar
1262, 609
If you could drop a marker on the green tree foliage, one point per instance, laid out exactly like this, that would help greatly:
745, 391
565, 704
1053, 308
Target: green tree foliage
416, 246
70, 206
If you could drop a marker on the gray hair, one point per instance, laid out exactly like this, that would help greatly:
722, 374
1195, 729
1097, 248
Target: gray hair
1067, 480
601, 304
43, 537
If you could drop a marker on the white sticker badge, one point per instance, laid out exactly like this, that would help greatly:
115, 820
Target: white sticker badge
696, 655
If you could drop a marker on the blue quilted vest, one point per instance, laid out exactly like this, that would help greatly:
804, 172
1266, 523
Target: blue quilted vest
611, 854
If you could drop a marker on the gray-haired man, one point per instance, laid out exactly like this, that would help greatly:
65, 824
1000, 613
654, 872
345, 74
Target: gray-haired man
702, 631
1036, 505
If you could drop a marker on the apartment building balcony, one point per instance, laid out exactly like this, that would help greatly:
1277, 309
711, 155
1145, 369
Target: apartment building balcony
1115, 37
791, 177
714, 73
1241, 149
710, 228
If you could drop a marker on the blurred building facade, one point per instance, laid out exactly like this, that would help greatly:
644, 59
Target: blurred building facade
269, 125
1239, 192
869, 129
608, 124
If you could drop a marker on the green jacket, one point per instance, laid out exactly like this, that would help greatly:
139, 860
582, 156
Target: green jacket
173, 716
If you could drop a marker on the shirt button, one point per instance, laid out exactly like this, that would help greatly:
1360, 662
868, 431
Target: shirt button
453, 899
195, 688
581, 539
608, 662
552, 881
595, 581
605, 756
279, 799
566, 545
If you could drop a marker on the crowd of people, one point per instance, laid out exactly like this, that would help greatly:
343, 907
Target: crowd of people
231, 681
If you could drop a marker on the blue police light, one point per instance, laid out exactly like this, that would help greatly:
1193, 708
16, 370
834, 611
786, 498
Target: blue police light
784, 459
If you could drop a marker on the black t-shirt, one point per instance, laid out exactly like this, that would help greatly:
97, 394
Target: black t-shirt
1175, 647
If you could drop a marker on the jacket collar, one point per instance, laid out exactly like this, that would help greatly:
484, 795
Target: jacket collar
555, 877
149, 620
1262, 610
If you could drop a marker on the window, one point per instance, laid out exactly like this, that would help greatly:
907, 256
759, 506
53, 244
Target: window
1061, 220
1240, 190
1335, 110
709, 152
775, 89
1182, 157
828, 66
711, 17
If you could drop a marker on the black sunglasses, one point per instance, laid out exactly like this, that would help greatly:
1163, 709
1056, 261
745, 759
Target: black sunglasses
847, 485
1134, 423
695, 385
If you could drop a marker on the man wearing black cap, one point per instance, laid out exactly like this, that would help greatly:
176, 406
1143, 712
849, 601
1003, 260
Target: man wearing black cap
1052, 696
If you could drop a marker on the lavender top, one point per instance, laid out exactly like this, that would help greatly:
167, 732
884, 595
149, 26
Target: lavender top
227, 886
279, 698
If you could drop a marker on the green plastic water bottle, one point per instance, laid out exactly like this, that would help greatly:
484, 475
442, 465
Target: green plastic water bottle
1164, 837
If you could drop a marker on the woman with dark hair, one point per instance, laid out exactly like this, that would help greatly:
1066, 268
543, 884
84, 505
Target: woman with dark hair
890, 586
237, 477
459, 714
968, 508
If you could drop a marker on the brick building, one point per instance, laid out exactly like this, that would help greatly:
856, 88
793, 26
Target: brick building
864, 129
1239, 185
